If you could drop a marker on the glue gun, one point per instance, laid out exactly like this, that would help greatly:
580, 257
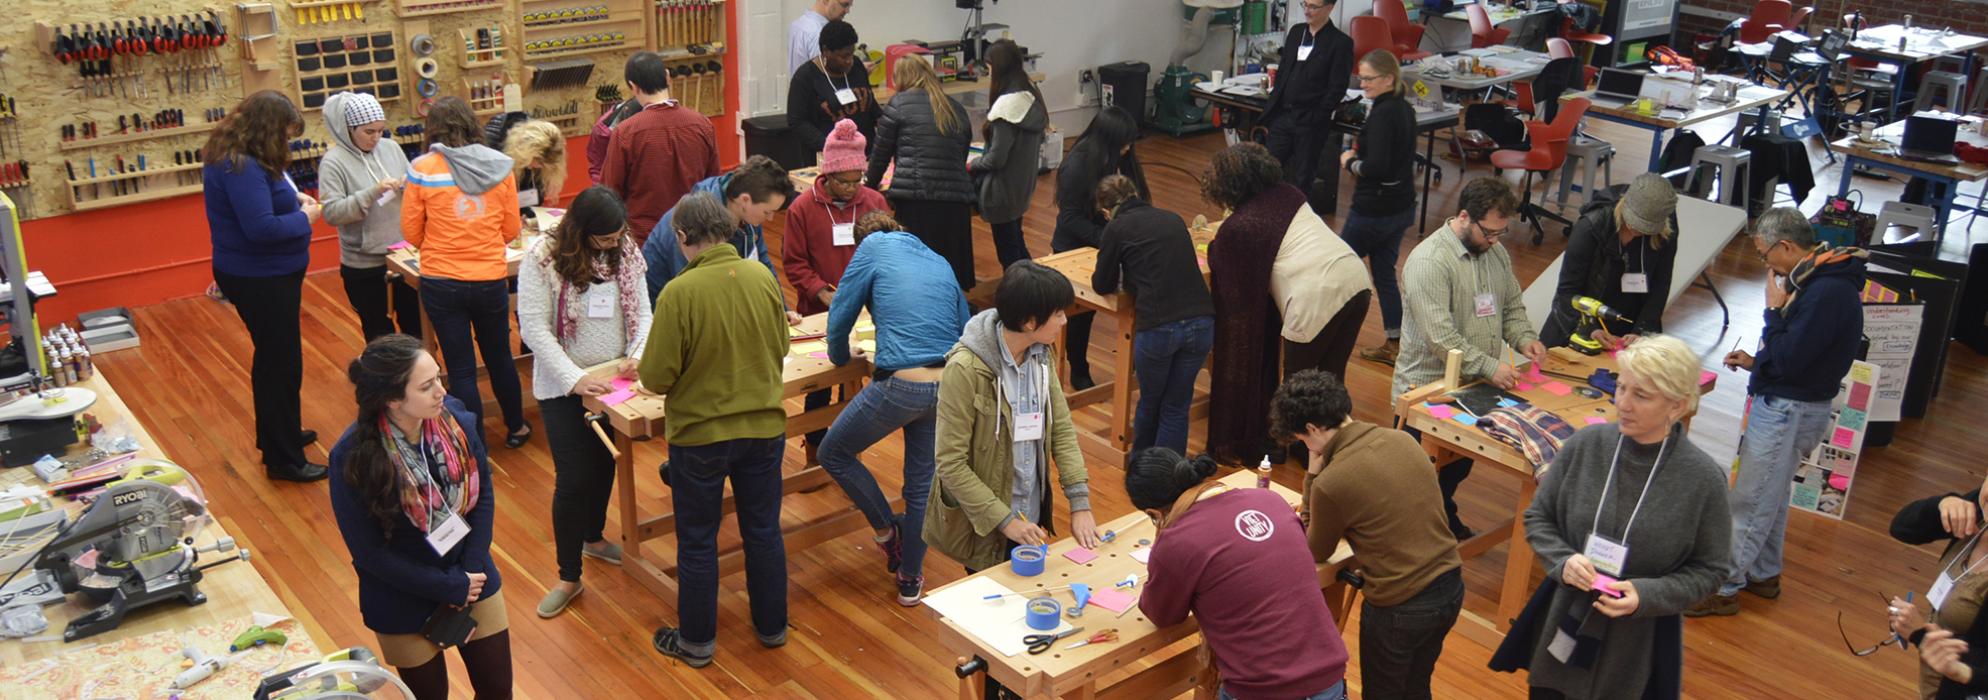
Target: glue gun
204, 666
1594, 317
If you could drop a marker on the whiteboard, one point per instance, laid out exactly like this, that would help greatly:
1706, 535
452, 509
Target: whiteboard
1704, 229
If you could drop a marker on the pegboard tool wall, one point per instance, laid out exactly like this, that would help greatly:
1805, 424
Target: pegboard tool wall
152, 250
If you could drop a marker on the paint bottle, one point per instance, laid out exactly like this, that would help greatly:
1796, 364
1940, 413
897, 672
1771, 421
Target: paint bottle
1263, 473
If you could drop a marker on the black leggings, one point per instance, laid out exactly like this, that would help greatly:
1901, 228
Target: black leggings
1010, 244
583, 479
489, 663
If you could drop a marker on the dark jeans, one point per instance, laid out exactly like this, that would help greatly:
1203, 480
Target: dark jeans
1009, 243
1378, 239
473, 317
1166, 358
272, 309
1449, 476
1333, 345
368, 290
1308, 153
1399, 644
697, 492
946, 228
583, 478
879, 409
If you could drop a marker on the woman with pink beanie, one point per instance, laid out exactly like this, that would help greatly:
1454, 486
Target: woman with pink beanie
820, 237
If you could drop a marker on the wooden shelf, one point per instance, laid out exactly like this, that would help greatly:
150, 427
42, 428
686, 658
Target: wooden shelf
131, 174
406, 12
581, 24
565, 53
115, 139
492, 63
121, 200
302, 4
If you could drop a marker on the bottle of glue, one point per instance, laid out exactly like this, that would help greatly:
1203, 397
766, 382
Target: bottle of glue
1263, 473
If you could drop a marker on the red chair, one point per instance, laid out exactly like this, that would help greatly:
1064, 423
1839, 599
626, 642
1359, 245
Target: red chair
1547, 153
1769, 16
1799, 21
1568, 30
1370, 34
1557, 47
1407, 35
1482, 32
1522, 98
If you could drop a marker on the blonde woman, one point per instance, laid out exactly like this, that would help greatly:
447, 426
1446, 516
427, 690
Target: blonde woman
1383, 165
538, 160
1620, 252
1632, 528
925, 132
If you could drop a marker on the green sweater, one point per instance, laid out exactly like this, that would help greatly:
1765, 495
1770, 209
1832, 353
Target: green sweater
717, 350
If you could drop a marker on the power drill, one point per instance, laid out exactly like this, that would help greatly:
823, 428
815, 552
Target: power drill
1595, 316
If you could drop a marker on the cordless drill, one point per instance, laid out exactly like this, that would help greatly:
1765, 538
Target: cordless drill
1595, 316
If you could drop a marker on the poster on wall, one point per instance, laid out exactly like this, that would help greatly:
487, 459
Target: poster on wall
1822, 481
1894, 333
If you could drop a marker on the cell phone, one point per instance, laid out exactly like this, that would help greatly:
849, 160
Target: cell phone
1601, 585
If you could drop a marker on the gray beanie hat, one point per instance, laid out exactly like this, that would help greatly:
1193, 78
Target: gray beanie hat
1649, 204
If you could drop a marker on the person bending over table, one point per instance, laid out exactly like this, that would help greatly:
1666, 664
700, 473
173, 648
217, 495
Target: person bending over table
1461, 295
1272, 246
581, 302
1236, 559
820, 237
1621, 252
717, 350
1637, 502
918, 311
1103, 150
1953, 636
1313, 69
752, 193
1374, 487
1175, 316
412, 494
1384, 194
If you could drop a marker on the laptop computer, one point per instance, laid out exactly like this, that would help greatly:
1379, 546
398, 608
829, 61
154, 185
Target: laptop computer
1929, 138
1617, 87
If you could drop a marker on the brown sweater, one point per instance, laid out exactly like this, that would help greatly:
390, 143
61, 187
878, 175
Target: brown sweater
1378, 491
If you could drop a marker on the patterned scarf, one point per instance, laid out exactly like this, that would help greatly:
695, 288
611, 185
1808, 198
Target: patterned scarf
1823, 255
438, 475
631, 282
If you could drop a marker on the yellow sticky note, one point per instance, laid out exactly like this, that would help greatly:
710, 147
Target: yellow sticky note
808, 347
869, 346
1421, 89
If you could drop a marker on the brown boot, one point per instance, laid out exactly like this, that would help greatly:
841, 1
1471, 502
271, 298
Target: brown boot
1383, 353
1720, 605
1769, 588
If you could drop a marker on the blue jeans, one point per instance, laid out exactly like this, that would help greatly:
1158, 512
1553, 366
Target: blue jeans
1378, 239
1779, 433
473, 317
1166, 358
1336, 692
878, 409
697, 492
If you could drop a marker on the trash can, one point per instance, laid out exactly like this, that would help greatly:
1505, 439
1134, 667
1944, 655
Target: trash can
768, 136
1125, 84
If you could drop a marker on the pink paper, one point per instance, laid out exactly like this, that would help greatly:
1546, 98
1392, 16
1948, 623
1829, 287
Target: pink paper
622, 383
1112, 599
1597, 420
1080, 555
1523, 386
1706, 377
819, 355
1534, 375
1844, 438
1860, 396
1441, 411
1557, 388
1142, 554
617, 397
400, 245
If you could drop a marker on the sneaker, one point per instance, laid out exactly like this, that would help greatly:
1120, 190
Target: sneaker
669, 641
664, 472
893, 549
603, 550
556, 600
1769, 588
307, 437
1384, 353
909, 590
1081, 380
1720, 605
303, 473
775, 641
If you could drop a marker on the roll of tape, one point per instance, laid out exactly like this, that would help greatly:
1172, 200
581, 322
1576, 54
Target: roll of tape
427, 67
421, 110
422, 44
1044, 613
1027, 559
427, 87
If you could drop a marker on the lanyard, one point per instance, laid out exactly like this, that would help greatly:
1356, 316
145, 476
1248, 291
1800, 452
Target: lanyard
846, 84
831, 213
1962, 556
1309, 37
1602, 503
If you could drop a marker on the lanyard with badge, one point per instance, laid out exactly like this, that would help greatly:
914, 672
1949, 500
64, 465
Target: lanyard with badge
1028, 424
1305, 48
1943, 586
1485, 302
1609, 555
846, 95
443, 535
601, 298
845, 234
1637, 282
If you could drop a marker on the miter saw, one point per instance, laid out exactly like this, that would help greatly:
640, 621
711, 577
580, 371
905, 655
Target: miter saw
133, 547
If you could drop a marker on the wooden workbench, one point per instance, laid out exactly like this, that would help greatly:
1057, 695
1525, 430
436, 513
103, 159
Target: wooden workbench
641, 418
1169, 668
1447, 441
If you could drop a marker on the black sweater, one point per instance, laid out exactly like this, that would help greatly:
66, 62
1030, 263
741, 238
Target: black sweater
1386, 160
1156, 252
1078, 223
1594, 264
812, 109
1311, 88
1919, 523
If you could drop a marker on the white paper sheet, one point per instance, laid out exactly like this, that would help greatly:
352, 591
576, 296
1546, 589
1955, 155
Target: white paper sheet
999, 623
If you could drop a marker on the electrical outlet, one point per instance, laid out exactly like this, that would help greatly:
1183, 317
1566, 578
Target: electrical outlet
1086, 77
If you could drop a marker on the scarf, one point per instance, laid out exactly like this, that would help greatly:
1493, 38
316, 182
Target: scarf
431, 489
1246, 323
1823, 255
630, 281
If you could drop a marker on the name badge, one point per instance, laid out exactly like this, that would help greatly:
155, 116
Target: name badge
1028, 426
846, 96
444, 535
528, 197
1487, 305
1304, 52
845, 234
1607, 554
1635, 282
600, 304
1937, 595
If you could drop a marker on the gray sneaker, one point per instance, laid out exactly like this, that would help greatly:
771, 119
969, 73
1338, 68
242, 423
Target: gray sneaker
604, 550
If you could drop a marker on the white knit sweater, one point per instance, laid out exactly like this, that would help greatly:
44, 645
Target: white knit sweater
556, 368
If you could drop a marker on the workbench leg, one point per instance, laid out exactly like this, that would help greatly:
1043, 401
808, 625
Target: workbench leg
1518, 560
1657, 151
624, 478
1121, 385
1087, 691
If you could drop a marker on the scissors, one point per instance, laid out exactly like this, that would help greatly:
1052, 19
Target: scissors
1109, 635
1039, 643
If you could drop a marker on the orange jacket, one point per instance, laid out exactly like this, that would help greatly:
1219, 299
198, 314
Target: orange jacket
461, 236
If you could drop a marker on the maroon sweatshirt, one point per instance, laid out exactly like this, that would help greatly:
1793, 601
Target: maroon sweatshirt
1239, 562
654, 158
807, 246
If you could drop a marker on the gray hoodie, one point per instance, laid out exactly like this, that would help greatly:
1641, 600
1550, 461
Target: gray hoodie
348, 186
1025, 388
476, 168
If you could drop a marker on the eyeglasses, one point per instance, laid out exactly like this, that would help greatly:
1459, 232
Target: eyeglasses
1764, 252
1493, 234
1873, 649
1370, 78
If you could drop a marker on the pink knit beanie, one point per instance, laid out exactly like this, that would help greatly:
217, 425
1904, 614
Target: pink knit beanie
843, 151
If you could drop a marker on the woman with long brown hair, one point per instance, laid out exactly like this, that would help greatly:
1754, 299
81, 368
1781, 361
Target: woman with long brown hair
461, 211
1006, 171
925, 132
582, 302
260, 226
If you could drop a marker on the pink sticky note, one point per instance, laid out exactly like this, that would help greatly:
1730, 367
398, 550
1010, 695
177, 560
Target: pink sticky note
1843, 438
1441, 411
1523, 386
1080, 555
620, 383
1706, 377
1557, 388
1112, 599
1142, 554
1534, 375
819, 355
616, 398
1860, 396
400, 245
1596, 420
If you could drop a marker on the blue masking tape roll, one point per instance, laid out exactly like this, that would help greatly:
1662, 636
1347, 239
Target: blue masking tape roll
1027, 559
1043, 613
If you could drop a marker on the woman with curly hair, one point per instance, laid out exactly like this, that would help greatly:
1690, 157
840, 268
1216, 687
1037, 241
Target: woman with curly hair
260, 226
1273, 254
538, 161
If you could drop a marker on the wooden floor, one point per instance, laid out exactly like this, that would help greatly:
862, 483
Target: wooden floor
188, 384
